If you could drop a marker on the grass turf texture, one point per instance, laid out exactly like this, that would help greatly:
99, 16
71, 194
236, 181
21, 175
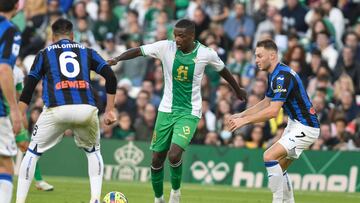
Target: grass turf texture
77, 190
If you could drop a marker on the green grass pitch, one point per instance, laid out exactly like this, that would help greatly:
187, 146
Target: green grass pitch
77, 190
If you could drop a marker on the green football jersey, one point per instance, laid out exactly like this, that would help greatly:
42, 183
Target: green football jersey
182, 74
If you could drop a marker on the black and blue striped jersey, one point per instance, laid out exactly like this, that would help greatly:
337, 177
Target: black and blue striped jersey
10, 40
64, 68
285, 85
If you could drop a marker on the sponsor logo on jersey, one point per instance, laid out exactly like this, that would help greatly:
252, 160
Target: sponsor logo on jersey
67, 84
312, 111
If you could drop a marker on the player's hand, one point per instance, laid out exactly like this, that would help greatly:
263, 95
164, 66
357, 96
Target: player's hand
109, 117
235, 123
22, 140
237, 115
16, 120
23, 146
242, 94
112, 61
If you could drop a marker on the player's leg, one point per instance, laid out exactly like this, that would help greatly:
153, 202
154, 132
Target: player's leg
39, 182
288, 194
184, 130
272, 156
22, 141
6, 184
157, 175
160, 145
87, 136
46, 134
7, 151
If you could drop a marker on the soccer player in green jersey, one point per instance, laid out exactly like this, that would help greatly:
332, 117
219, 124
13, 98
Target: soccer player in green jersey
184, 61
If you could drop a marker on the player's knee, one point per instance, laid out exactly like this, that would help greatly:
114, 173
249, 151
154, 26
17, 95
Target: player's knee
157, 162
268, 157
6, 165
174, 157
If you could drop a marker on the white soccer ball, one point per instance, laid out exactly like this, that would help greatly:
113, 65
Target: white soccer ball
115, 197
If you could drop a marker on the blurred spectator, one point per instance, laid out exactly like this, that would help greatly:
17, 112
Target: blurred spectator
240, 24
106, 22
238, 141
348, 106
328, 141
217, 10
148, 86
134, 69
201, 20
212, 138
241, 66
335, 17
84, 35
144, 125
142, 99
201, 131
256, 138
321, 109
123, 103
112, 49
351, 39
328, 52
208, 115
347, 65
294, 14
124, 129
344, 83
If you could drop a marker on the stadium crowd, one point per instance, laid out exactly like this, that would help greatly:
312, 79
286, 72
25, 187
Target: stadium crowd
318, 39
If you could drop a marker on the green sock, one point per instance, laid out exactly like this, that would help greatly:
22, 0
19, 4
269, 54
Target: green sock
157, 180
175, 175
37, 174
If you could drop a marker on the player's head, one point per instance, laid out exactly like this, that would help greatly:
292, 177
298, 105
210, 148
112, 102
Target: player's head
184, 34
266, 54
61, 29
9, 6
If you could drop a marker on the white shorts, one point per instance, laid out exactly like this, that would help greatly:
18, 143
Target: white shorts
82, 119
7, 138
297, 137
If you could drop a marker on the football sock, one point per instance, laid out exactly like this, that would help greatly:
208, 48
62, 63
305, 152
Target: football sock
288, 194
37, 175
275, 175
96, 171
26, 174
175, 175
157, 179
6, 187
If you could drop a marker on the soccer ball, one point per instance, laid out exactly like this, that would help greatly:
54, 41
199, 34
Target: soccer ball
115, 197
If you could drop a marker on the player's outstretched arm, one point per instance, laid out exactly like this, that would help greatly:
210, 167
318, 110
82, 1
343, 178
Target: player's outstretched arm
254, 109
128, 54
8, 89
265, 114
240, 92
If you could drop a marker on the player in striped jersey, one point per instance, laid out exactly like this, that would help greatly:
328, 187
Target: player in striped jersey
10, 40
184, 61
64, 68
285, 90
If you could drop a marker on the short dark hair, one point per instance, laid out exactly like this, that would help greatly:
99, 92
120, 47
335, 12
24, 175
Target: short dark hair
267, 44
7, 5
62, 27
187, 24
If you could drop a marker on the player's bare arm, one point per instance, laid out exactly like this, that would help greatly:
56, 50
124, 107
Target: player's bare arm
8, 89
267, 113
240, 92
128, 54
254, 109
